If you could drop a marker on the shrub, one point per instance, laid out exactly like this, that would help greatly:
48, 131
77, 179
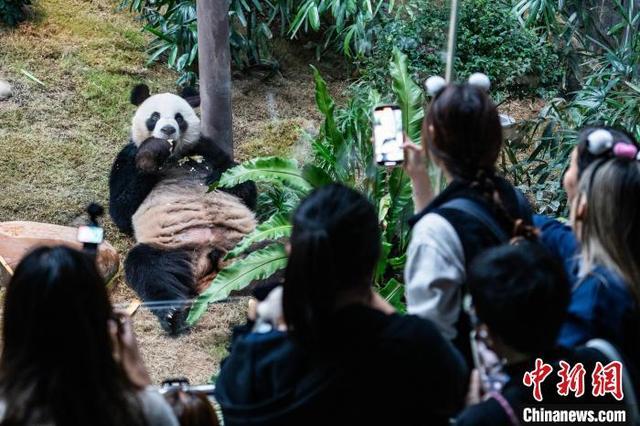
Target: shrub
12, 12
343, 25
608, 81
490, 40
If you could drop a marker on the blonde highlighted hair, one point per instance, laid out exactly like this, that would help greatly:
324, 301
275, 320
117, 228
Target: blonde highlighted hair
610, 232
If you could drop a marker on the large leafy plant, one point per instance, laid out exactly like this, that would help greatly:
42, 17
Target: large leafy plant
342, 153
608, 92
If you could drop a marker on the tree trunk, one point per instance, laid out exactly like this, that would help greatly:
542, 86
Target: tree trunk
215, 72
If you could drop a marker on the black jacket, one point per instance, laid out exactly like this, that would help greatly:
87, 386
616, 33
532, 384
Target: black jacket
373, 369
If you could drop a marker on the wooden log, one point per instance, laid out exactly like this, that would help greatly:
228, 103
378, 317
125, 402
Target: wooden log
17, 239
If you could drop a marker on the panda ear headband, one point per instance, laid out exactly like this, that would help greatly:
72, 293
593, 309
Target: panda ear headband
435, 85
601, 141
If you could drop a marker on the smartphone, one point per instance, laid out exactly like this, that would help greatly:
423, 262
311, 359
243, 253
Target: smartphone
492, 376
90, 234
388, 135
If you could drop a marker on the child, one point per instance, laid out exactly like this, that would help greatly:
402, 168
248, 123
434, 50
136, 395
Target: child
520, 297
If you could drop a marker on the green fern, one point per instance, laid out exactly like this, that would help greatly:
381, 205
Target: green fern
258, 265
278, 226
266, 170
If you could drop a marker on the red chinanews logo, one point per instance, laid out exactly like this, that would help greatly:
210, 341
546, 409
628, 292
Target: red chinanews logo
605, 379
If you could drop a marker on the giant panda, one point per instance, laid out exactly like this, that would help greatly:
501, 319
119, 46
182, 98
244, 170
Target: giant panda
159, 194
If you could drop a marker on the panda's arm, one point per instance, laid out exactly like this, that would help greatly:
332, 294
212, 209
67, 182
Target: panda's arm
128, 188
220, 161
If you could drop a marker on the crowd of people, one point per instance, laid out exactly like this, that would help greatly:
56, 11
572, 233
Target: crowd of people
508, 311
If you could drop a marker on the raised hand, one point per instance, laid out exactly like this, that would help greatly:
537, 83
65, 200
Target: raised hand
126, 351
415, 165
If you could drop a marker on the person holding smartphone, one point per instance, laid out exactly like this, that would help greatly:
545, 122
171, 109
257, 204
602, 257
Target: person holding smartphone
521, 295
67, 357
478, 209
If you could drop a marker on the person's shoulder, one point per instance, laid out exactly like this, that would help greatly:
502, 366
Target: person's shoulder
432, 222
435, 230
155, 408
607, 286
488, 413
417, 332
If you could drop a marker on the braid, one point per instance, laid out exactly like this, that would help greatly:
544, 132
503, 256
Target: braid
484, 181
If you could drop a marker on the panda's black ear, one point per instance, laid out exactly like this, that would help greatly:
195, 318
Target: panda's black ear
192, 96
139, 94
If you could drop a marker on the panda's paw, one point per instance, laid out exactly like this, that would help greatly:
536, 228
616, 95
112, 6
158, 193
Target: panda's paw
152, 154
174, 320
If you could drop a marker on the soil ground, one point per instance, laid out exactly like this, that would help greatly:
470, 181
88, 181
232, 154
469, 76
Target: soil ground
59, 137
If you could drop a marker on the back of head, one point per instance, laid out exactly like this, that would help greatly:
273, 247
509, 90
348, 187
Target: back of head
57, 352
522, 294
191, 408
462, 129
335, 245
586, 157
610, 231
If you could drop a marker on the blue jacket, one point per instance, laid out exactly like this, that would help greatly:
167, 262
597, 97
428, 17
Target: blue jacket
601, 304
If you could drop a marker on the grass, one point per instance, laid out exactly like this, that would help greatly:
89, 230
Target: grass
58, 140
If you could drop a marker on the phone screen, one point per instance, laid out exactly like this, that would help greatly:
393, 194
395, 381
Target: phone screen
90, 234
387, 135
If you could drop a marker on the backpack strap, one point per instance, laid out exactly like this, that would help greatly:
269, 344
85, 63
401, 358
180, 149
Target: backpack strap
612, 354
506, 407
479, 212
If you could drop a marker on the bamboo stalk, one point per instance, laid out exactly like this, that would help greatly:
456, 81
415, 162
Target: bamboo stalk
449, 70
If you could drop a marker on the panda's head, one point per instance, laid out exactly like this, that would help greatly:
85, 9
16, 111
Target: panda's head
165, 116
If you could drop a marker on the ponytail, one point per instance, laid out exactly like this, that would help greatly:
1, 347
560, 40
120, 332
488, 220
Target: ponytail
335, 245
484, 181
310, 284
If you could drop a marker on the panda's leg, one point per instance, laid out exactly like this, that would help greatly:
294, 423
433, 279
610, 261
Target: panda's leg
158, 275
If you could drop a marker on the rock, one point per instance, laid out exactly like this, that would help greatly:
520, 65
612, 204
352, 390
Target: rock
5, 90
19, 238
509, 127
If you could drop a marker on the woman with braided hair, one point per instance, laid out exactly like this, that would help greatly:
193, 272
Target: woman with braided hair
478, 209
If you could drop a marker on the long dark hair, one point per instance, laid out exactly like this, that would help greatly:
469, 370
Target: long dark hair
462, 130
57, 360
335, 245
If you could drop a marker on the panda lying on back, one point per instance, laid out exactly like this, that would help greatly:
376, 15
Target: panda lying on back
158, 193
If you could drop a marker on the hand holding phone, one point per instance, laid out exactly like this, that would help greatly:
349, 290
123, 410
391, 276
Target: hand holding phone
388, 135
